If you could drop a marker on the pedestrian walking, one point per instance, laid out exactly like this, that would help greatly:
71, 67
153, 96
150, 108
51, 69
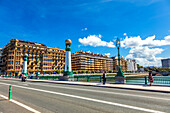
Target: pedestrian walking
31, 76
104, 77
150, 78
23, 78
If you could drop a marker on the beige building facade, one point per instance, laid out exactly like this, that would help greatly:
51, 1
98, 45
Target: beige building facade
91, 62
50, 58
123, 64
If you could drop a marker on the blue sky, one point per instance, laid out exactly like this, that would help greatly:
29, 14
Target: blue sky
93, 25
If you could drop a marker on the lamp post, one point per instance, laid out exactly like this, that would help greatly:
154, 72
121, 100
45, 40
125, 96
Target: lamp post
119, 73
68, 74
119, 78
37, 74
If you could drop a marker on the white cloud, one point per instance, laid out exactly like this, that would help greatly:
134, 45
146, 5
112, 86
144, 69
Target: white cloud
84, 29
145, 62
143, 51
95, 40
148, 42
167, 38
88, 51
145, 56
108, 54
124, 34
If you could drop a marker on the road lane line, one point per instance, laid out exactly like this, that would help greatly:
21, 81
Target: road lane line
90, 99
20, 104
107, 92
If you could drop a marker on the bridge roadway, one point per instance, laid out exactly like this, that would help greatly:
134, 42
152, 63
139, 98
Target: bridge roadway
62, 98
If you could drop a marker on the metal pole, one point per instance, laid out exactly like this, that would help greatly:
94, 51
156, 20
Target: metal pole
119, 59
10, 90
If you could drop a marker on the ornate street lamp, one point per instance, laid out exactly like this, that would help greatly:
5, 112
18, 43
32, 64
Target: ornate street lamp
119, 78
119, 73
68, 74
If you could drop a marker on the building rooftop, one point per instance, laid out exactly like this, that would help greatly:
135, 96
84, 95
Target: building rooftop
88, 53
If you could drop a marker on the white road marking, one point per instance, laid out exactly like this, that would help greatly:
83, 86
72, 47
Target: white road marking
107, 92
103, 92
20, 104
90, 99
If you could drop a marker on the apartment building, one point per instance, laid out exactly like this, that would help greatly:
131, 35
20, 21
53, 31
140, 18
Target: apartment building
1, 63
123, 64
131, 65
49, 59
92, 62
165, 63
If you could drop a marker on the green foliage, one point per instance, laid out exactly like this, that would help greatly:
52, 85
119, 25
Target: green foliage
62, 71
74, 72
31, 72
79, 71
114, 71
58, 72
110, 71
155, 69
82, 71
87, 71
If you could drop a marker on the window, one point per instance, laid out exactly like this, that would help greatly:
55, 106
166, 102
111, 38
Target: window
10, 53
18, 49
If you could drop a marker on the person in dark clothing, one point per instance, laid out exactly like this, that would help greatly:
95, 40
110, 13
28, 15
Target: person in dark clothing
104, 78
150, 78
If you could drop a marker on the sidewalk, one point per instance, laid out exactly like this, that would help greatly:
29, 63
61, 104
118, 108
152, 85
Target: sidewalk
154, 88
8, 107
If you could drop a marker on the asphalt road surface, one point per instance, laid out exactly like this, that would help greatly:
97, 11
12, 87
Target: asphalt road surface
62, 98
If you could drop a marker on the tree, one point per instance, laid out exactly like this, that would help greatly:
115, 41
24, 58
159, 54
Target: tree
79, 71
82, 71
110, 71
58, 71
74, 72
87, 71
62, 71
